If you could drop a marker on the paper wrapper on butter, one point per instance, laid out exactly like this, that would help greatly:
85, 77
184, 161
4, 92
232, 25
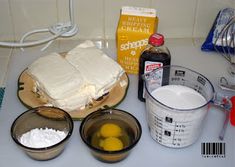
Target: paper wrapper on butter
134, 28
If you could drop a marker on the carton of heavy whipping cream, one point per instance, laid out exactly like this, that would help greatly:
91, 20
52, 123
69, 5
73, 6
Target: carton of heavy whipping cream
134, 28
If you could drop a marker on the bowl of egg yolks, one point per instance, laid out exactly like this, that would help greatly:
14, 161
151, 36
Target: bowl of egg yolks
110, 134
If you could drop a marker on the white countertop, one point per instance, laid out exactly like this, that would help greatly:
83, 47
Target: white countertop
184, 52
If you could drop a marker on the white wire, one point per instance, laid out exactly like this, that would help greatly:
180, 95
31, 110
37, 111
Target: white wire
31, 32
58, 30
26, 44
71, 16
47, 45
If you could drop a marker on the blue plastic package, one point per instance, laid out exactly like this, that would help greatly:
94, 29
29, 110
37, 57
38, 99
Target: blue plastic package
214, 40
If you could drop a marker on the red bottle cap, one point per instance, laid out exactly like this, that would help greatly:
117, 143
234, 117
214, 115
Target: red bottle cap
156, 39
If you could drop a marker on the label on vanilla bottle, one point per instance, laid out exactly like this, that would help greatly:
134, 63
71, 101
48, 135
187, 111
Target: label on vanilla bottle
134, 28
150, 66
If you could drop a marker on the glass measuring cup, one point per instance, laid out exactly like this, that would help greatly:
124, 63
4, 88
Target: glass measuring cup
176, 125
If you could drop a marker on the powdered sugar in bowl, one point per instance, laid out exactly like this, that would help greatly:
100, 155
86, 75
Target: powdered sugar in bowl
42, 132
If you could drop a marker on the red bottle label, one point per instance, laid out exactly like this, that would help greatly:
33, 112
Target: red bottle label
150, 66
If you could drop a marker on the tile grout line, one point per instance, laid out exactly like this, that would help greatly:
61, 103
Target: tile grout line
7, 69
104, 20
195, 19
12, 19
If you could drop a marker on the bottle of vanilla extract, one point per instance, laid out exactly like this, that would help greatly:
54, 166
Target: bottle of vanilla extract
155, 55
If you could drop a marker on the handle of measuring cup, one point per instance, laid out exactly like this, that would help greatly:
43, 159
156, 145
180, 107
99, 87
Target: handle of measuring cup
232, 112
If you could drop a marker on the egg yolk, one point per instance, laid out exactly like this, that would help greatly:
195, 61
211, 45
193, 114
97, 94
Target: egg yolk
110, 130
111, 144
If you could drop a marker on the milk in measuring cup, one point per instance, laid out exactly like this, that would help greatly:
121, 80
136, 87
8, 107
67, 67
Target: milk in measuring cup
175, 115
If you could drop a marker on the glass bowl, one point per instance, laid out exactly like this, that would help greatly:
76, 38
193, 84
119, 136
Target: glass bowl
110, 134
42, 118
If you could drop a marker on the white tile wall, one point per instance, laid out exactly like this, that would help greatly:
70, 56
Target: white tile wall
5, 54
90, 18
6, 26
28, 15
176, 18
206, 13
98, 19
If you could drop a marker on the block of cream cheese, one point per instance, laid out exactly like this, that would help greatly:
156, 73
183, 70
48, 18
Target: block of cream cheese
55, 76
98, 69
59, 82
71, 82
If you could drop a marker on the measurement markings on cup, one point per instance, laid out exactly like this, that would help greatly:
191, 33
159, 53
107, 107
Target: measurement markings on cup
168, 131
